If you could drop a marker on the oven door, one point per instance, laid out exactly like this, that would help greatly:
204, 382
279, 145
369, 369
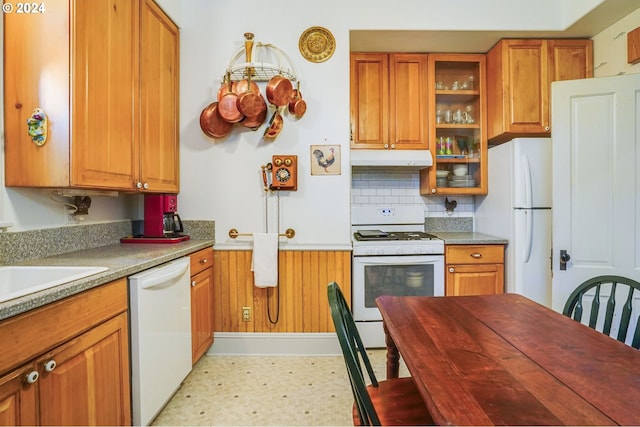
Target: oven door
405, 275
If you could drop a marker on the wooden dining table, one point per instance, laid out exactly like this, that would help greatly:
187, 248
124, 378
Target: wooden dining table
506, 360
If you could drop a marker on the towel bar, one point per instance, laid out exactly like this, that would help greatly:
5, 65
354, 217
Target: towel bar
289, 233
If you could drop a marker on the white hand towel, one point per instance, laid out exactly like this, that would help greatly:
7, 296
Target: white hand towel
264, 262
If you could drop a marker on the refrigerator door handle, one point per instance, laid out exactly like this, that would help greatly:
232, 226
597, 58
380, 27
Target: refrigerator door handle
528, 241
526, 170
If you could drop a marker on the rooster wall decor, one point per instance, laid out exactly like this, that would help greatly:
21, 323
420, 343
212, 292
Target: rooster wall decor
325, 160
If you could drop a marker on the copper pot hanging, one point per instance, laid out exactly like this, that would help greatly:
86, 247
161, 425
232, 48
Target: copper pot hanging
250, 103
255, 122
275, 125
226, 86
228, 106
279, 91
212, 124
297, 105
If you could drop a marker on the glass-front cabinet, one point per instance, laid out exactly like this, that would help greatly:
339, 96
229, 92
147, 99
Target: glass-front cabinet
457, 125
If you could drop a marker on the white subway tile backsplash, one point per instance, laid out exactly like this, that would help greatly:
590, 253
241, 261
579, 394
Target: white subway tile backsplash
384, 186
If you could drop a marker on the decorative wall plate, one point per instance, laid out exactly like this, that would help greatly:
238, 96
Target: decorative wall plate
317, 44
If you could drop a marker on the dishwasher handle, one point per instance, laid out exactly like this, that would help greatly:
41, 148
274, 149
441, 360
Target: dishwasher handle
164, 276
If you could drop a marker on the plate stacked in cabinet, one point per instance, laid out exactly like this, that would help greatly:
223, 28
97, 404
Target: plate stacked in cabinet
457, 125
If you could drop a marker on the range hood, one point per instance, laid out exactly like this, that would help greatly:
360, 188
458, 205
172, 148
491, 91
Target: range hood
392, 158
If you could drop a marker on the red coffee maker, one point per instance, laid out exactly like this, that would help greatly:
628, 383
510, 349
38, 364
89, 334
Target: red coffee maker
160, 217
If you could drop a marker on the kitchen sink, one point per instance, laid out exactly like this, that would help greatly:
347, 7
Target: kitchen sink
17, 281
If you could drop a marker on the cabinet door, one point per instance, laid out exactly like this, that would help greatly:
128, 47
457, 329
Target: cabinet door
159, 99
408, 116
201, 313
526, 80
17, 398
369, 100
570, 59
105, 132
90, 382
44, 36
479, 279
457, 116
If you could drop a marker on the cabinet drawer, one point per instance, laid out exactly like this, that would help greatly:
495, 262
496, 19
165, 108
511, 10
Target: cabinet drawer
474, 254
39, 330
201, 260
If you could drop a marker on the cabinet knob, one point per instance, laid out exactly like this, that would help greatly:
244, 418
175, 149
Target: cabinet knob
452, 270
145, 186
50, 365
193, 283
433, 190
203, 261
138, 184
32, 377
547, 128
393, 146
476, 255
386, 146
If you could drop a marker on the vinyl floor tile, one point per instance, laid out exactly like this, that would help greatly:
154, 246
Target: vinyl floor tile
266, 391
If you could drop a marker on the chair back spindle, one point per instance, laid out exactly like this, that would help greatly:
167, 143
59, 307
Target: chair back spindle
616, 284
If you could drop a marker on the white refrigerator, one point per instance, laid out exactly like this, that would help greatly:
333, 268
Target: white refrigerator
518, 208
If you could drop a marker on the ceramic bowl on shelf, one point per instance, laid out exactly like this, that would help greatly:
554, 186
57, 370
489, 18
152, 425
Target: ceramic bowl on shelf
460, 169
442, 173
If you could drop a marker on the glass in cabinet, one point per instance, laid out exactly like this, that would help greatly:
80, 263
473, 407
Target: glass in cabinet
457, 105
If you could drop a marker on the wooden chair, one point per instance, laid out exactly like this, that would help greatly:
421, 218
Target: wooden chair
619, 288
390, 402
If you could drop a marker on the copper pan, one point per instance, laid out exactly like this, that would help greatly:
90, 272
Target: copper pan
275, 125
228, 107
212, 124
250, 103
226, 86
255, 122
279, 91
297, 105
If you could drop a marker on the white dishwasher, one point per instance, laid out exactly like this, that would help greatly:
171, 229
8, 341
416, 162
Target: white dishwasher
160, 316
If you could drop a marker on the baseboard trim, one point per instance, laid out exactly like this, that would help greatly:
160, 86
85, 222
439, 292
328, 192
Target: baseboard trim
274, 344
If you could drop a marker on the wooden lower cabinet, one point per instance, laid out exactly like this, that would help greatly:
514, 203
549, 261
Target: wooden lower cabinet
74, 374
201, 303
474, 269
298, 304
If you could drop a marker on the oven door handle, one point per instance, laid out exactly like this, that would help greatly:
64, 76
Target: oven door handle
430, 260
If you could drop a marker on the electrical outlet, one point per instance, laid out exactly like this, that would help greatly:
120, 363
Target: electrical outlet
246, 314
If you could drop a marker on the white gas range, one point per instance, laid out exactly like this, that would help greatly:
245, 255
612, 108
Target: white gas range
392, 255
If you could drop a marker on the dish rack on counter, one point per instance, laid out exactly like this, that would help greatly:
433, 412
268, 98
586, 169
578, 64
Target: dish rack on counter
274, 62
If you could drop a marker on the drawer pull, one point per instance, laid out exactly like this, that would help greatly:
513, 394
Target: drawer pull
50, 365
32, 377
476, 255
193, 283
452, 270
203, 261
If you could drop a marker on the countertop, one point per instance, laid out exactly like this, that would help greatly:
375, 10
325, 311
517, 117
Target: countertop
122, 260
468, 238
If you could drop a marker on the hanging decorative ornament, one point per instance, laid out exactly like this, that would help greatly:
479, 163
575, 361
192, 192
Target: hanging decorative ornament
317, 44
37, 127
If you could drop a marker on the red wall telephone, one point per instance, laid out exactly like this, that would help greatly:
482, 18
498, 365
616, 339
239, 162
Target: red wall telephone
284, 173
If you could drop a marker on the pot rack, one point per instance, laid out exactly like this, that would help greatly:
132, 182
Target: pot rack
261, 70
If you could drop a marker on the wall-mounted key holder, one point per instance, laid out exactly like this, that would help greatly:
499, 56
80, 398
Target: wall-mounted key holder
37, 127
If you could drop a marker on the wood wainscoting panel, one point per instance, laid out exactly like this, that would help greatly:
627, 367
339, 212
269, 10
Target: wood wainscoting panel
301, 293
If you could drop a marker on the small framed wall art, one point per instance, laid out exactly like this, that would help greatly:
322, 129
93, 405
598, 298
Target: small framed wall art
325, 160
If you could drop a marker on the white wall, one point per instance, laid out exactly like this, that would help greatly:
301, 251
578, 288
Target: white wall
610, 48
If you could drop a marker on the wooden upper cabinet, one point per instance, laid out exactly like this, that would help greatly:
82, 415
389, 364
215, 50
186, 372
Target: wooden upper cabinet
389, 101
519, 76
104, 149
160, 80
83, 68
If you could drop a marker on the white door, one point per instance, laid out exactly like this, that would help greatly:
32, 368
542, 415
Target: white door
596, 180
